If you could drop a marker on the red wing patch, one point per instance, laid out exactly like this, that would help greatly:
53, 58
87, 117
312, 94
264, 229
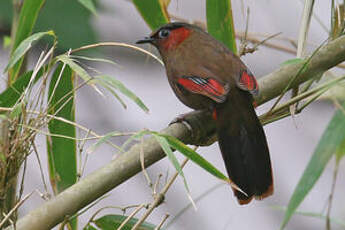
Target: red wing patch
248, 82
205, 86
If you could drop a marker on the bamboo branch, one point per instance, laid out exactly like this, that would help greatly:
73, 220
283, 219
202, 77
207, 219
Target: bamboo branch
327, 57
128, 164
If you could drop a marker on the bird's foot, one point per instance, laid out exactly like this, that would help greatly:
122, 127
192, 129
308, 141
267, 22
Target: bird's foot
201, 126
183, 118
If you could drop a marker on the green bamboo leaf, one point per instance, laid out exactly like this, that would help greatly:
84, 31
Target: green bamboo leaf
335, 92
135, 136
89, 227
10, 96
17, 110
105, 138
2, 158
107, 87
332, 138
88, 4
194, 156
123, 89
50, 18
112, 222
313, 214
167, 150
300, 71
340, 152
27, 19
292, 61
74, 66
220, 22
96, 59
24, 46
62, 158
7, 42
153, 12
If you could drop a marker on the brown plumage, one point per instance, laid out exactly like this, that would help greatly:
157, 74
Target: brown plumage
205, 74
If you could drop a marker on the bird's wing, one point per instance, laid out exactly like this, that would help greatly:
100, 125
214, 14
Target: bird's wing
209, 87
247, 82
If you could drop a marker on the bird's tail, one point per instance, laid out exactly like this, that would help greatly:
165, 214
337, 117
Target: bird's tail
244, 147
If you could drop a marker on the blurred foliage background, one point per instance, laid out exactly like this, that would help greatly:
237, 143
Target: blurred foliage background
60, 16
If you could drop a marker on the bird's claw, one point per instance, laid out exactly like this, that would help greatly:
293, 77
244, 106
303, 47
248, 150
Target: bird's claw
196, 122
183, 118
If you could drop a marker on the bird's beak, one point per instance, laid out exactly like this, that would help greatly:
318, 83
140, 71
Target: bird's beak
145, 40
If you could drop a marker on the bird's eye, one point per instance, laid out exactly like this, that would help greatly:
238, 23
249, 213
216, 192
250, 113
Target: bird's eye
163, 33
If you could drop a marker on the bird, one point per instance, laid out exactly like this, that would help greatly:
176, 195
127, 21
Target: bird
205, 75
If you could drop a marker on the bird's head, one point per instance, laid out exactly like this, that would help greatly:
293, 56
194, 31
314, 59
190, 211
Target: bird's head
169, 36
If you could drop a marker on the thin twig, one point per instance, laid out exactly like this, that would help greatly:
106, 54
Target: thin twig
330, 198
142, 163
131, 216
166, 216
82, 164
298, 73
98, 211
40, 166
15, 208
117, 44
159, 198
38, 66
318, 19
200, 197
123, 209
268, 44
279, 112
57, 82
156, 184
96, 136
21, 190
243, 46
259, 43
301, 96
